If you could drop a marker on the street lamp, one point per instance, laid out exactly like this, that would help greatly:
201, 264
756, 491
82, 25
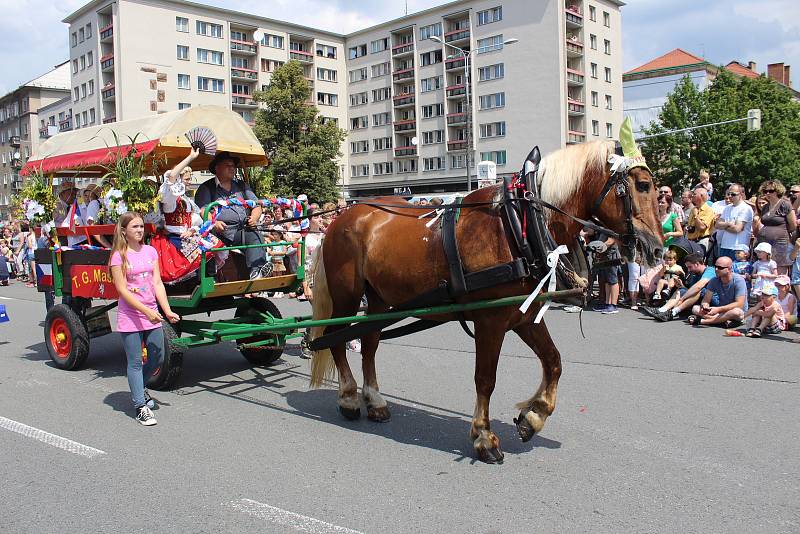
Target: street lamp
468, 84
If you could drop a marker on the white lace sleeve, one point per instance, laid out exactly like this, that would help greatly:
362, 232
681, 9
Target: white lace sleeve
169, 200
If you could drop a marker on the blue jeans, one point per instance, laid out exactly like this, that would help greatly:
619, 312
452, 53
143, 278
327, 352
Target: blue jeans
137, 372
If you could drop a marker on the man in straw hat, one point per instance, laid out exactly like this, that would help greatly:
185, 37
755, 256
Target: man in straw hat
236, 225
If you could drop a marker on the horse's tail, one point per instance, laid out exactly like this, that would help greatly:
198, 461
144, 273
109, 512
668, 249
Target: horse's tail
322, 364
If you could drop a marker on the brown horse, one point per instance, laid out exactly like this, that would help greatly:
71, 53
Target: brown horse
391, 256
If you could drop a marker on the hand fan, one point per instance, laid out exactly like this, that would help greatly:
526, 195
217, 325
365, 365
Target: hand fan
203, 139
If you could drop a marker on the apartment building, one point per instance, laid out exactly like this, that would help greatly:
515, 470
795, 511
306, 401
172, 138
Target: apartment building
19, 126
400, 88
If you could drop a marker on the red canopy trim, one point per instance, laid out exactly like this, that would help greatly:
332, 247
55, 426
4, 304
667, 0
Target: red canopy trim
88, 158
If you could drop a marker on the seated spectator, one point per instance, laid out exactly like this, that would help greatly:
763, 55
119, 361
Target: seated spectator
672, 274
767, 316
688, 292
725, 301
764, 269
701, 220
787, 300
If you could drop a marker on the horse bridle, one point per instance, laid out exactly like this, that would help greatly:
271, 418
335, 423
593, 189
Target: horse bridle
618, 180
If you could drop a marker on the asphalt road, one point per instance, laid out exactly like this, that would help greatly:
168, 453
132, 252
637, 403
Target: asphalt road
659, 428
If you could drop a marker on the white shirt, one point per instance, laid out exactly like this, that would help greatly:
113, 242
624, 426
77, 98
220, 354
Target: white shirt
170, 193
89, 214
732, 214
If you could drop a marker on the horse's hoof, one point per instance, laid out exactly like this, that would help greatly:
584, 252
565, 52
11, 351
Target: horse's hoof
379, 415
491, 456
526, 431
351, 414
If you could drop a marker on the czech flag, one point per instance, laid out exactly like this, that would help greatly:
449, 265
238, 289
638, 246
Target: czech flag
73, 216
44, 275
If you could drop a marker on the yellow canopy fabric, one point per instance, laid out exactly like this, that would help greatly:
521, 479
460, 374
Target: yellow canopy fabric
88, 149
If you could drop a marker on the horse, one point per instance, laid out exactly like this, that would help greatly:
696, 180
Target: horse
390, 255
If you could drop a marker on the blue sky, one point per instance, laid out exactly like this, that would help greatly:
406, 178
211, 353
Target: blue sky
764, 31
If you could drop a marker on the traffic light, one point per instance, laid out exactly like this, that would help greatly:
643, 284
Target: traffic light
753, 120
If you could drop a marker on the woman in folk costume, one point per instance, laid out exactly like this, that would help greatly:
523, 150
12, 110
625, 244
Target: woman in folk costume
180, 249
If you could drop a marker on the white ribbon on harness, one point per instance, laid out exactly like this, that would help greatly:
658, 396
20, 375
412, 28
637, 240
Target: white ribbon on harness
550, 277
618, 163
430, 223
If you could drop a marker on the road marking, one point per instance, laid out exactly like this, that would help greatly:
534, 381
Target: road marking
6, 298
286, 518
50, 439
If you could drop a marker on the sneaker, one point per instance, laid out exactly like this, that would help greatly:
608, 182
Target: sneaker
600, 307
354, 345
255, 273
649, 310
145, 416
664, 316
610, 309
148, 400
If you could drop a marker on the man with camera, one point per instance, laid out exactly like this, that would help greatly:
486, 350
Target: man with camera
701, 219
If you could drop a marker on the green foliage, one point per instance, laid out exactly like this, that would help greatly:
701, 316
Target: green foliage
729, 152
127, 173
38, 188
301, 147
260, 180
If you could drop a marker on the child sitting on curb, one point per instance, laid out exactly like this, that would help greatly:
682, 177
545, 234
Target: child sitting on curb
767, 316
787, 300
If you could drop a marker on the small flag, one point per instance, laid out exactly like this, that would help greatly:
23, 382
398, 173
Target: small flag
44, 274
73, 215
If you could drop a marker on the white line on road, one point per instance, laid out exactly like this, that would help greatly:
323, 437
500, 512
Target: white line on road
6, 298
286, 518
50, 439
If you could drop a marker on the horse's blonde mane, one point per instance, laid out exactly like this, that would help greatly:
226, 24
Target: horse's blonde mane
561, 172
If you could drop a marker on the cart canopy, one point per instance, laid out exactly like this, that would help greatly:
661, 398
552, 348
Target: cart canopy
87, 150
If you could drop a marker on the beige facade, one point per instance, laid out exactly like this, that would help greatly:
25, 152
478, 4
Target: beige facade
401, 96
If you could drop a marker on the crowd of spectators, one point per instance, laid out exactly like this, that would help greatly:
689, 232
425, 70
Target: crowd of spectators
731, 262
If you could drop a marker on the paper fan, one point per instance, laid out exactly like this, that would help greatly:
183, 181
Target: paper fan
203, 139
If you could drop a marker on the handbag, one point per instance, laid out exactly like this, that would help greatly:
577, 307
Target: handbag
649, 280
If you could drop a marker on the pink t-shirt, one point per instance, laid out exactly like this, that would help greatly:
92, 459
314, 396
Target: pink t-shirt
140, 283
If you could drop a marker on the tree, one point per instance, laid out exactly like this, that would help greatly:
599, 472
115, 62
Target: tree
300, 143
729, 152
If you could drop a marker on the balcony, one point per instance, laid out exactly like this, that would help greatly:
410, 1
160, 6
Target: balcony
455, 63
301, 56
402, 49
239, 100
14, 141
108, 92
65, 125
107, 33
109, 120
247, 48
404, 74
246, 75
576, 137
456, 91
456, 36
405, 151
575, 77
456, 119
404, 100
574, 48
405, 126
457, 145
576, 107
574, 17
107, 63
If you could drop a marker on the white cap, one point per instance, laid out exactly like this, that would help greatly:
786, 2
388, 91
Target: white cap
302, 198
764, 247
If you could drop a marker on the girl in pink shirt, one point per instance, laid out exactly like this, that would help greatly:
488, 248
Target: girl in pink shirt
134, 268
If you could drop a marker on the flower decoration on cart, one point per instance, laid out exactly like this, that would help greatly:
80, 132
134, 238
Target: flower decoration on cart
36, 202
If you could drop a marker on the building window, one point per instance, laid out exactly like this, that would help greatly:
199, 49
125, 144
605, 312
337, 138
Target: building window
608, 74
183, 52
458, 162
211, 57
208, 29
609, 130
74, 66
491, 72
379, 45
213, 85
182, 24
358, 75
378, 95
83, 91
432, 30
593, 70
81, 35
608, 102
497, 156
359, 147
91, 87
406, 166
433, 137
83, 62
327, 99
183, 81
606, 19
490, 15
433, 164
430, 58
381, 119
431, 84
240, 62
272, 41
326, 51
595, 99
240, 89
381, 69
433, 110
76, 94
357, 51
592, 14
269, 65
89, 59
77, 122
383, 168
492, 101
74, 39
359, 123
89, 31
493, 129
359, 171
607, 46
382, 143
184, 105
328, 75
490, 44
359, 99
596, 128
593, 41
